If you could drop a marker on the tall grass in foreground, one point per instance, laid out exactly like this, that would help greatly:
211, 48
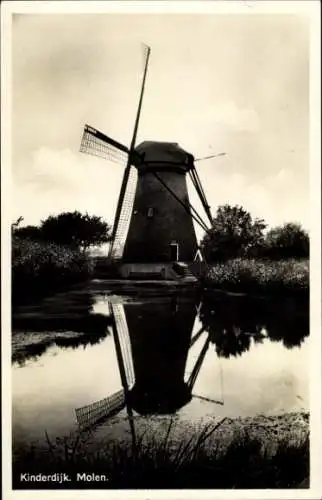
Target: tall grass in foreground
260, 276
39, 267
245, 462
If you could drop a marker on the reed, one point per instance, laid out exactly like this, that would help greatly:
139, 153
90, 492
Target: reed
246, 462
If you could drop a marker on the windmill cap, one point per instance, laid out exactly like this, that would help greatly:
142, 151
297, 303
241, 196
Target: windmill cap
164, 154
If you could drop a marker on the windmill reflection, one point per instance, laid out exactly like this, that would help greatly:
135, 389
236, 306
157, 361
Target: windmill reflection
152, 342
160, 339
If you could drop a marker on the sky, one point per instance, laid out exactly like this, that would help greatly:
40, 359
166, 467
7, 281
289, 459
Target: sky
229, 83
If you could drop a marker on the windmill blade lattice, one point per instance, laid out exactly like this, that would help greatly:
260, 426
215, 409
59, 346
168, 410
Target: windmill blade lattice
97, 144
90, 415
125, 342
117, 245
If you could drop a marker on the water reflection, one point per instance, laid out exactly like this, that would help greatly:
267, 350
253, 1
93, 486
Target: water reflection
174, 350
235, 322
63, 321
153, 340
160, 336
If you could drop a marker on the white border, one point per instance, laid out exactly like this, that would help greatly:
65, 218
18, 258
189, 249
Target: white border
246, 7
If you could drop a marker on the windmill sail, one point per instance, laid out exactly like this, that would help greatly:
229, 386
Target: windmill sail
98, 144
127, 193
118, 242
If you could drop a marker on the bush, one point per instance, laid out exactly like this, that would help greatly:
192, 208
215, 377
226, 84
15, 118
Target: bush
253, 275
39, 267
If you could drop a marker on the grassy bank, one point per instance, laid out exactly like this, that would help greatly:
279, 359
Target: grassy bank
39, 268
266, 452
260, 276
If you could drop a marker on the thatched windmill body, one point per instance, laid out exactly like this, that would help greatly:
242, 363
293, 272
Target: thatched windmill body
153, 225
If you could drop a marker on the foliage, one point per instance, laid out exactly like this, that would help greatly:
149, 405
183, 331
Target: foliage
260, 276
75, 229
28, 232
17, 223
38, 267
54, 255
201, 461
287, 241
233, 234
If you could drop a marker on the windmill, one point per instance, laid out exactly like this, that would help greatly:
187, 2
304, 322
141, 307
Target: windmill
152, 362
153, 224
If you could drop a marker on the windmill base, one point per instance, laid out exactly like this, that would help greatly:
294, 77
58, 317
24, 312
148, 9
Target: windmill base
157, 271
178, 272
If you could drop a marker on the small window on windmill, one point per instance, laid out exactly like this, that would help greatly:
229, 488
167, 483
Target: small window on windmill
150, 212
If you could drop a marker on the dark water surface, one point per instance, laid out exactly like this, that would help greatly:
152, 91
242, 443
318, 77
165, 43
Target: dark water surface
190, 355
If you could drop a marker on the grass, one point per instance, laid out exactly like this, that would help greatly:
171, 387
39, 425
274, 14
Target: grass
260, 276
39, 268
163, 463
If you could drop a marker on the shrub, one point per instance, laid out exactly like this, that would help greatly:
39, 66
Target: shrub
38, 267
248, 275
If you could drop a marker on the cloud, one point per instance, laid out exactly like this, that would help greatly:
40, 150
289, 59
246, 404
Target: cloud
276, 199
56, 181
229, 115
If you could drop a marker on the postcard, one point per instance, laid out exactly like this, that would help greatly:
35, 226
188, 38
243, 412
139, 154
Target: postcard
161, 254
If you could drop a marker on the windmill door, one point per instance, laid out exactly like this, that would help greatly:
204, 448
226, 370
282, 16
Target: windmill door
174, 251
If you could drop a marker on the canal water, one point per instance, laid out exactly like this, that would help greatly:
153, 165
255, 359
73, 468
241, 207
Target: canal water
189, 355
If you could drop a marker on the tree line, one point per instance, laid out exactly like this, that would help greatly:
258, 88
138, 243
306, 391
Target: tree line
233, 233
72, 229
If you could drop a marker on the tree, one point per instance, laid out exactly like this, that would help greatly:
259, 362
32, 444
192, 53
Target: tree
16, 224
233, 234
75, 229
28, 232
287, 241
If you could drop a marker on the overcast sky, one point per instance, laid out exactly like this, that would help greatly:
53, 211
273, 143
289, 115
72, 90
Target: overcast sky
216, 83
